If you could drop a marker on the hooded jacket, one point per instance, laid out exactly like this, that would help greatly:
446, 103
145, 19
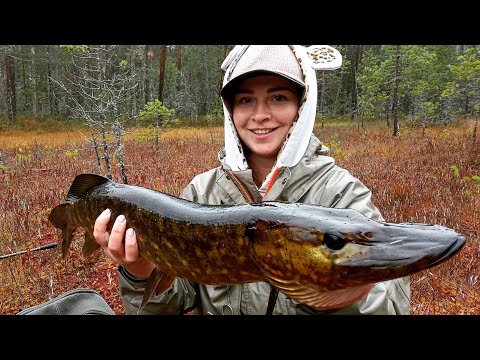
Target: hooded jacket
304, 172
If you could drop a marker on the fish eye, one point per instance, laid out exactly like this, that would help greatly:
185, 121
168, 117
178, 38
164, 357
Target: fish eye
333, 242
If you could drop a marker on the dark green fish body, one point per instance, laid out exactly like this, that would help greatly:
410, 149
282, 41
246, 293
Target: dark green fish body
304, 250
180, 237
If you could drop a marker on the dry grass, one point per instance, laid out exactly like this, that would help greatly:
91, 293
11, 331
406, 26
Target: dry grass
410, 176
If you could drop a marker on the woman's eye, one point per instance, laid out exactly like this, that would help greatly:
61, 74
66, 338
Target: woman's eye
279, 97
244, 100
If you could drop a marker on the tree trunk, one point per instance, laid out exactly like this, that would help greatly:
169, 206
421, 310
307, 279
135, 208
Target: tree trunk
358, 60
388, 107
24, 86
101, 76
34, 84
179, 58
10, 83
52, 102
179, 67
161, 77
146, 79
322, 93
106, 156
467, 110
396, 90
222, 73
131, 93
475, 129
204, 84
119, 152
96, 146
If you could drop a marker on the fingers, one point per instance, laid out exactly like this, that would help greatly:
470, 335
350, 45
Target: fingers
131, 247
100, 232
133, 262
115, 242
121, 244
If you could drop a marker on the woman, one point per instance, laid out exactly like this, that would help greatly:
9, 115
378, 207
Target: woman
269, 96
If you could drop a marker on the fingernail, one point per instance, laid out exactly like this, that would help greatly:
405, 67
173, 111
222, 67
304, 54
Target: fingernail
130, 232
120, 218
105, 212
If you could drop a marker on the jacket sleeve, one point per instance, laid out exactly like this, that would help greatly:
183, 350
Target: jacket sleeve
386, 298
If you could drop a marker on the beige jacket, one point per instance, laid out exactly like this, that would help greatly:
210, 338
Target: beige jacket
316, 180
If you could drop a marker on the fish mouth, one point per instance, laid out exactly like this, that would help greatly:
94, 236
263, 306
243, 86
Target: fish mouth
456, 246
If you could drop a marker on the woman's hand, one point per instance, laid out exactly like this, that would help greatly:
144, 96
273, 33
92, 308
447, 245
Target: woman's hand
121, 245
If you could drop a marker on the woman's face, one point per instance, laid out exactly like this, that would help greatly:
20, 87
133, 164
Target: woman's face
264, 109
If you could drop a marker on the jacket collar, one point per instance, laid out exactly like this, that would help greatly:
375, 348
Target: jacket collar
290, 184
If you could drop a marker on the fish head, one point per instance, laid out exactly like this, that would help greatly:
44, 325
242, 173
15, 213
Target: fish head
339, 248
393, 250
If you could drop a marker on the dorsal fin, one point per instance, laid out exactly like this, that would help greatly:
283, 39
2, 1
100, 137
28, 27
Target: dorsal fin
84, 182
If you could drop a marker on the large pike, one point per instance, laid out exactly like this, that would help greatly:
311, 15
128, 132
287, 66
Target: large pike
309, 252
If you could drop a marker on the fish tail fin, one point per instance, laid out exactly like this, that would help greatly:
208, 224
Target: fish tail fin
90, 245
84, 182
157, 280
59, 218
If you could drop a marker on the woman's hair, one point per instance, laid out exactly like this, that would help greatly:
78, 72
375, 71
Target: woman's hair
228, 93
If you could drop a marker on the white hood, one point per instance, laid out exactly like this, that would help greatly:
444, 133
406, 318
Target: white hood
310, 59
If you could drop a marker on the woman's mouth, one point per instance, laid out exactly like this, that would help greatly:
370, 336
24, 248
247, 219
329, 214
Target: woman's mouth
262, 131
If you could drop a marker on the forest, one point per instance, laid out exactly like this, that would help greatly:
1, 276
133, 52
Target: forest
422, 84
402, 118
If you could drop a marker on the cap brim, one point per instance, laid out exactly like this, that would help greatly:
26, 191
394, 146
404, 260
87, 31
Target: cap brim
233, 83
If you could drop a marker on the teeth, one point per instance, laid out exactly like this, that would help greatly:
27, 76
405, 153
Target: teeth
262, 131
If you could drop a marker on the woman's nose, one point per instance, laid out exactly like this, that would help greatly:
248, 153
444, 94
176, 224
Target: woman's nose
261, 112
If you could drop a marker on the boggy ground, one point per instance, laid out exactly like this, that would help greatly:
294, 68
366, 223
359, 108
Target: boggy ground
416, 177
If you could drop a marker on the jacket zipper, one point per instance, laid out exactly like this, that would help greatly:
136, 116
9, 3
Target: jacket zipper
239, 184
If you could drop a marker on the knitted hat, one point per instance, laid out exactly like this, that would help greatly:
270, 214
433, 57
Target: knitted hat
264, 59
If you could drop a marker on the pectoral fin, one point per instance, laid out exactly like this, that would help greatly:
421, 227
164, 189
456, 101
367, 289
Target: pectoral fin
158, 282
90, 245
315, 296
329, 300
58, 217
